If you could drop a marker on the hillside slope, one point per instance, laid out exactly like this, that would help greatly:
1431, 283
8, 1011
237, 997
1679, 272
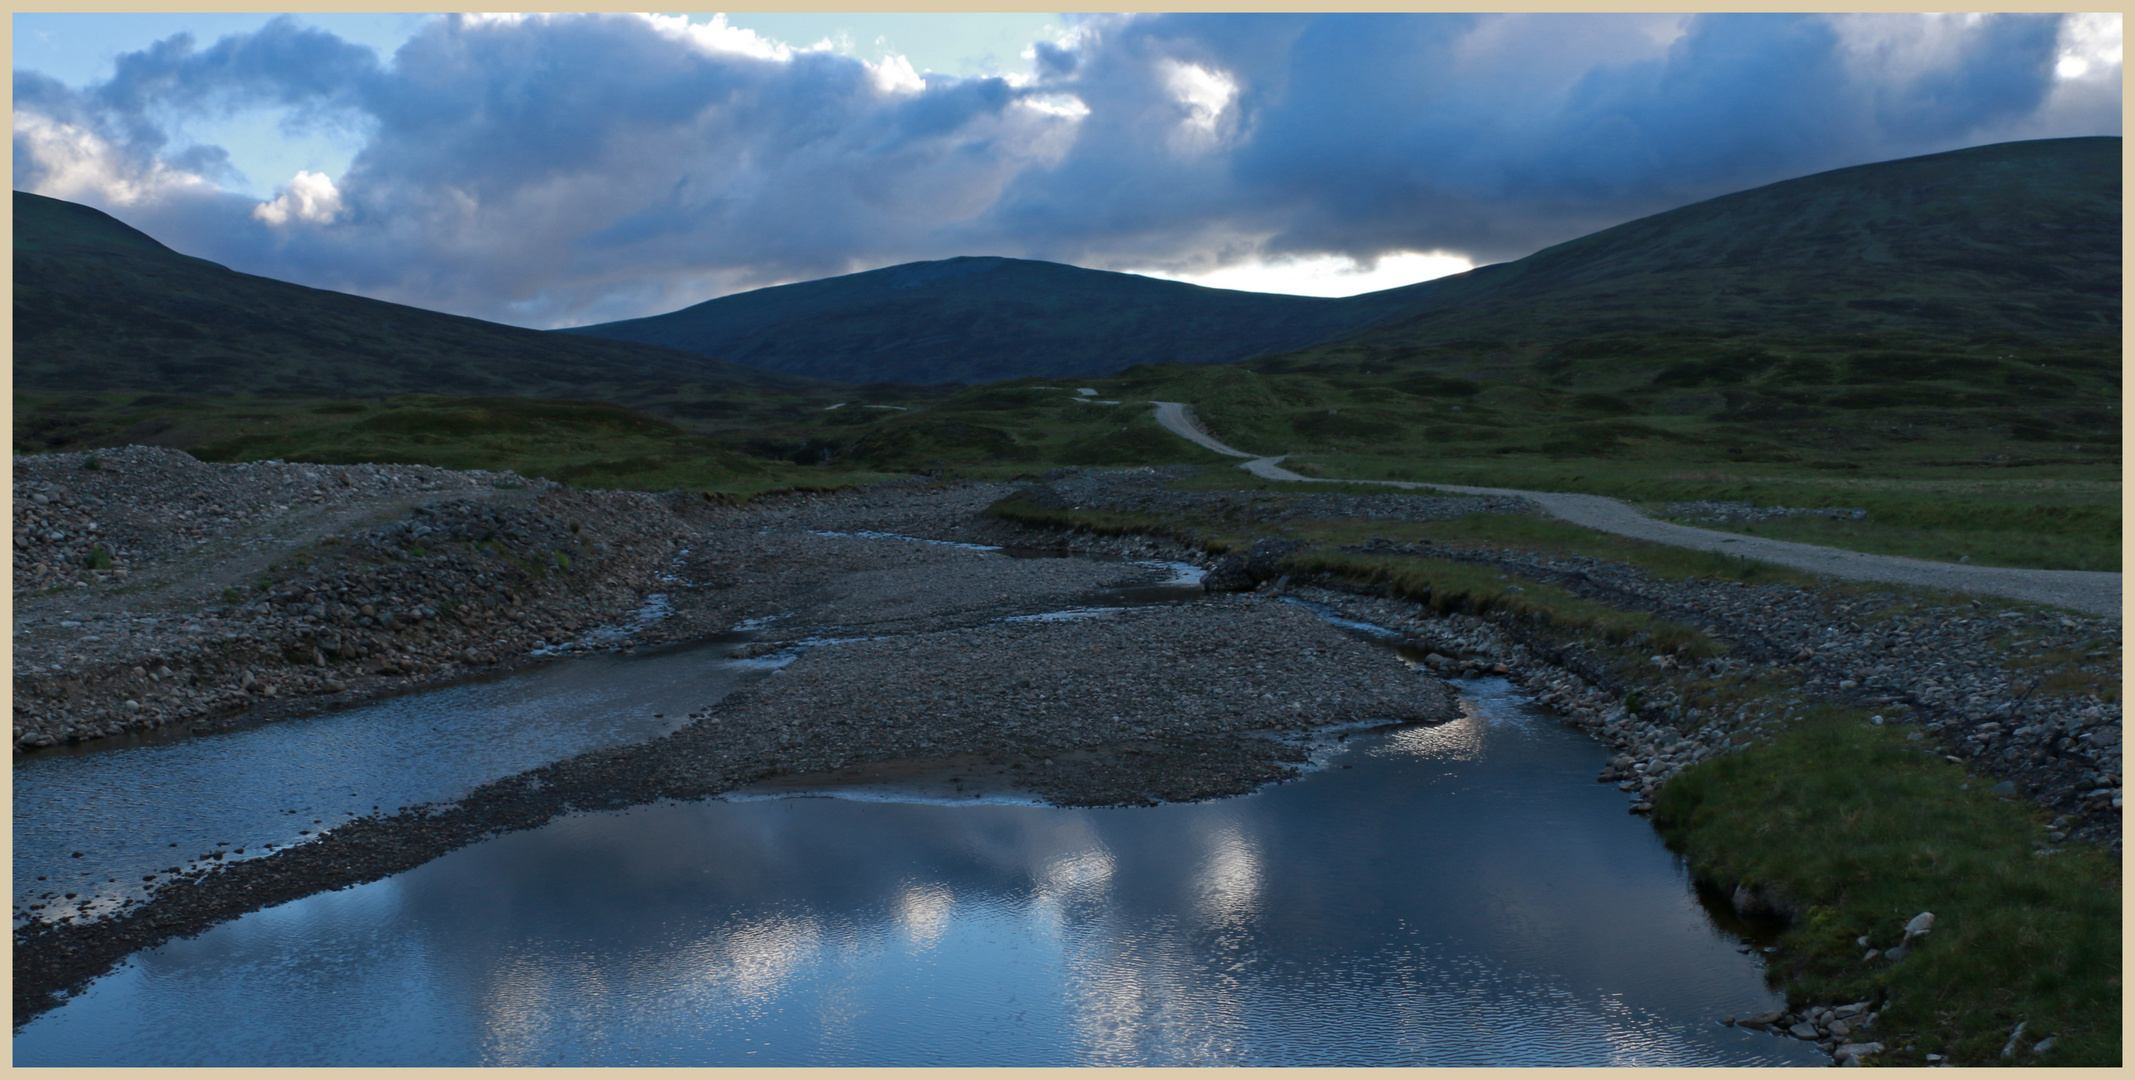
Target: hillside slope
979, 320
2016, 238
100, 305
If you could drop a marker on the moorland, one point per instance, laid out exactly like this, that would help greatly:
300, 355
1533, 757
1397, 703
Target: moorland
1929, 349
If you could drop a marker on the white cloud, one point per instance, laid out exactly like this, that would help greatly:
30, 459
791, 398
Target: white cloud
894, 75
1324, 275
717, 37
310, 198
77, 164
2089, 43
1206, 97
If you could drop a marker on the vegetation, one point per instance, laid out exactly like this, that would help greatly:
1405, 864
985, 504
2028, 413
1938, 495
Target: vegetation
586, 444
1865, 831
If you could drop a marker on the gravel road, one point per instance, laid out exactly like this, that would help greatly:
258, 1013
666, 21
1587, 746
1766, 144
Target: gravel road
2091, 592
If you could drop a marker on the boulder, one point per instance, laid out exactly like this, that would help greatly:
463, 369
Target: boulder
1228, 575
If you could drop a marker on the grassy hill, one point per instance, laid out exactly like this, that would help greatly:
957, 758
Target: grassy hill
2016, 239
119, 339
1935, 340
2017, 242
976, 320
100, 304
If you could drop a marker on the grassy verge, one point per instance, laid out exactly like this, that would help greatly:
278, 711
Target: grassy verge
2053, 522
1976, 542
1863, 831
1448, 586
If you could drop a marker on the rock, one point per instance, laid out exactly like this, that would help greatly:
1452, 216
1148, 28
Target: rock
1847, 1051
1228, 575
1267, 557
2043, 1045
1919, 924
2006, 787
1762, 1020
2009, 1048
1803, 1030
1896, 952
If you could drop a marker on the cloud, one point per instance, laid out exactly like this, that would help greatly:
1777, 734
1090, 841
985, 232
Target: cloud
563, 169
309, 198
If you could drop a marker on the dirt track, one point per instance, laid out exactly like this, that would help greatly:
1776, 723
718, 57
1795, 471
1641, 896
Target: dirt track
2091, 592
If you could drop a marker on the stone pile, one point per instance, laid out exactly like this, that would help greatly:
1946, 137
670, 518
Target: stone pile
449, 588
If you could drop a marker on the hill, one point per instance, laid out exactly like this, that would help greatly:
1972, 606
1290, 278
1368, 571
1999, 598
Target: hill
2016, 239
100, 304
2020, 240
975, 320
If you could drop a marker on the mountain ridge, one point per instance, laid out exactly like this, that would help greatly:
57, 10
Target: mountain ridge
2013, 238
100, 303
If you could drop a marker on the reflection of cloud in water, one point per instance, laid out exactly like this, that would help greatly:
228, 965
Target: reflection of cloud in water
752, 961
923, 912
1229, 880
518, 1009
1080, 874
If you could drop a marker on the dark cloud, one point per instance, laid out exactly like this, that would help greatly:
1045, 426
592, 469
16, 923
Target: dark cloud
568, 169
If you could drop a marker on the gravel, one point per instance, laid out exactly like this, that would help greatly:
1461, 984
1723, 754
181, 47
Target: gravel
1976, 677
951, 671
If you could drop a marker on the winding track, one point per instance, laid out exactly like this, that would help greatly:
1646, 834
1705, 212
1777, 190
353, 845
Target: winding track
2090, 591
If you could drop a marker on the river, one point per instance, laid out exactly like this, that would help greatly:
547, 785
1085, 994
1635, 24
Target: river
1462, 894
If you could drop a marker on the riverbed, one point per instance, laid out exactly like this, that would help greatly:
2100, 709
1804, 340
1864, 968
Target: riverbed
1457, 894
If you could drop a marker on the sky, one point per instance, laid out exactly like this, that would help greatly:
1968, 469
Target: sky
561, 170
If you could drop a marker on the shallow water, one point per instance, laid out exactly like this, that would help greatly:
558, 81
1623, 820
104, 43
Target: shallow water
1455, 895
144, 805
125, 807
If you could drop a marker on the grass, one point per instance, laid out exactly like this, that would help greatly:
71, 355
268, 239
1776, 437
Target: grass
1969, 477
586, 444
2063, 541
1448, 586
1862, 831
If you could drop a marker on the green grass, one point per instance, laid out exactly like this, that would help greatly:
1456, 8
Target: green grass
1862, 831
2063, 538
586, 444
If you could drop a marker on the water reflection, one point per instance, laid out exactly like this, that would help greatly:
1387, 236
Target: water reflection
141, 809
1463, 895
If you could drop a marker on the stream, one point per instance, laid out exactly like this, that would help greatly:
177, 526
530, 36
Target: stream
1459, 894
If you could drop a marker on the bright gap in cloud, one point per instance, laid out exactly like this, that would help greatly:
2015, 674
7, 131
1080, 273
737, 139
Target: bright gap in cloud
1325, 275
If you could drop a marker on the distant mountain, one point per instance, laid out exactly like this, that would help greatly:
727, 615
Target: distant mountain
2014, 239
976, 320
100, 305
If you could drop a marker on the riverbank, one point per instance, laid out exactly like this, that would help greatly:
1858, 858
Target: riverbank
961, 662
1959, 758
1208, 699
